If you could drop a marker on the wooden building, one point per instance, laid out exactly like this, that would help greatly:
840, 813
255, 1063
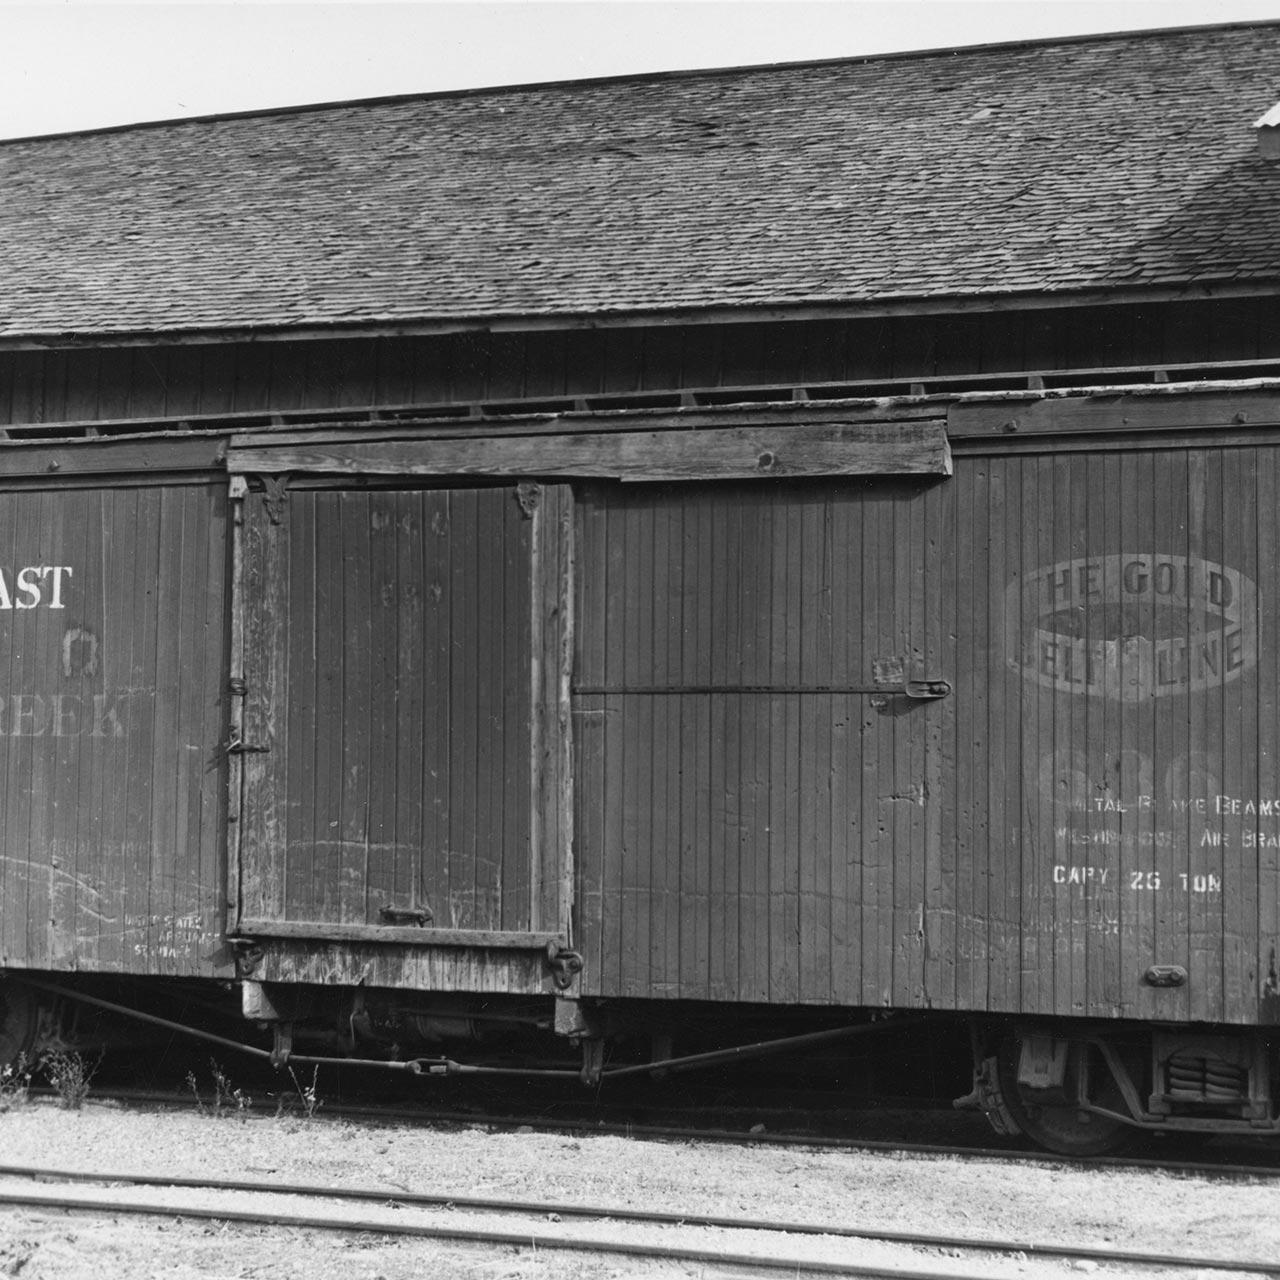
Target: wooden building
792, 536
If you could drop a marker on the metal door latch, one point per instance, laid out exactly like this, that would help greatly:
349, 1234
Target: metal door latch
925, 688
236, 746
890, 676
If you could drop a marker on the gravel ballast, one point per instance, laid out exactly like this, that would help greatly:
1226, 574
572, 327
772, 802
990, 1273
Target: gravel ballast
1128, 1209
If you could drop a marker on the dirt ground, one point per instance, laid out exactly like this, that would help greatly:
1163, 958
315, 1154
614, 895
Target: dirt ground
1158, 1211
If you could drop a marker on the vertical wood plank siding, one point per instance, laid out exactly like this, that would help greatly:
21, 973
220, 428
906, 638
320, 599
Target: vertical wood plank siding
1097, 796
123, 382
393, 755
111, 715
744, 833
1115, 791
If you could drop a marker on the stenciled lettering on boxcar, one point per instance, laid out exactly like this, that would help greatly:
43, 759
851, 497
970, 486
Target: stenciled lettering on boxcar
1132, 626
62, 715
32, 714
34, 586
113, 642
1145, 644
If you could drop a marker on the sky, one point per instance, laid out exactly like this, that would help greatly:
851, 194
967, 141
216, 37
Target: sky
82, 65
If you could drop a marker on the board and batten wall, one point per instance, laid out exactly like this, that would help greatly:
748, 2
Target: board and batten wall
112, 779
88, 383
1099, 793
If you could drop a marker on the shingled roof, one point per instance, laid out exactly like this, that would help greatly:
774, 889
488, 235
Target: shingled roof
1116, 162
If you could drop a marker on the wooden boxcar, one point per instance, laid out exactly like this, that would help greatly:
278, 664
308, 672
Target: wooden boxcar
619, 683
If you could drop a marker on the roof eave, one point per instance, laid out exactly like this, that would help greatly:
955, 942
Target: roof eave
993, 301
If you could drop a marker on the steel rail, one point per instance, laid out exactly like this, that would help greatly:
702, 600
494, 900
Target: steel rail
425, 1116
542, 1208
473, 1235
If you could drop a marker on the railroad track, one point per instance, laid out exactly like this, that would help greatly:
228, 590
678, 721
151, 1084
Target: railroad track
267, 1205
1263, 1163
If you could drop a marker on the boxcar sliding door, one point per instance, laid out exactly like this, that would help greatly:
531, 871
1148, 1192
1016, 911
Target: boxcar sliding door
399, 653
407, 644
759, 722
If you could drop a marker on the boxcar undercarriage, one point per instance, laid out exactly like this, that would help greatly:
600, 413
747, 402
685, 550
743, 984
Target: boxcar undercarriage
1072, 1088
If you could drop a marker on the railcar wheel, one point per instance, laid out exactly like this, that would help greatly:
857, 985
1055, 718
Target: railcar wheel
19, 1020
1059, 1127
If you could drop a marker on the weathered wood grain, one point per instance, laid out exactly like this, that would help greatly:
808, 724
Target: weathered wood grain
210, 373
264, 745
1112, 413
132, 458
401, 935
406, 653
800, 449
110, 716
723, 762
551, 601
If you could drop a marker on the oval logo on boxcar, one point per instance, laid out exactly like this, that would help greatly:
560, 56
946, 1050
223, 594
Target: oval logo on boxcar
1132, 626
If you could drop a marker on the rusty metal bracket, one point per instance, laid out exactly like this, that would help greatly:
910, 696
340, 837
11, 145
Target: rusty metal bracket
890, 676
1165, 975
236, 746
248, 957
592, 1061
274, 496
565, 965
988, 1098
421, 916
926, 689
528, 495
282, 1044
891, 680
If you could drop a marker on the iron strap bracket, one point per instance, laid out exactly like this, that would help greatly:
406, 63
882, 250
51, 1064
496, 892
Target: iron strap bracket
920, 689
889, 677
236, 746
565, 965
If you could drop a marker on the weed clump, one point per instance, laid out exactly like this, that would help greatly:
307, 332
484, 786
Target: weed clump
228, 1099
70, 1075
15, 1083
308, 1094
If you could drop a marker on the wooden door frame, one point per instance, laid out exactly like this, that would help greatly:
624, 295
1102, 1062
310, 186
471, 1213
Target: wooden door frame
252, 726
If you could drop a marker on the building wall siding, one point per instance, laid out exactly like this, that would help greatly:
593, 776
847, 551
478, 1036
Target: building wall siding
110, 383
